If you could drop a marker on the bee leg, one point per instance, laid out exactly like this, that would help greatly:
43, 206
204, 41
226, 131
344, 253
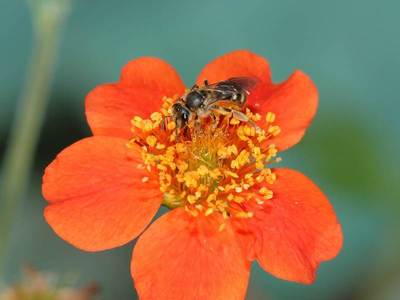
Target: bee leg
236, 114
194, 87
242, 117
186, 132
197, 125
205, 82
221, 111
163, 125
214, 120
177, 136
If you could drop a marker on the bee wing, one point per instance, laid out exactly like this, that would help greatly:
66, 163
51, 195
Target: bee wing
244, 83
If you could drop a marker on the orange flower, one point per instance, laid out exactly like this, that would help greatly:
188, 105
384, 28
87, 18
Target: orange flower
228, 206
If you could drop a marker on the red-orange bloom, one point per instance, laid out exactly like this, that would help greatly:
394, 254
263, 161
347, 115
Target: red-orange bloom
228, 206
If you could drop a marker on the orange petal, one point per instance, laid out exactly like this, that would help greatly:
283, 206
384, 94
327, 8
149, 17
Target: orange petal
182, 257
236, 64
143, 84
294, 103
97, 198
295, 230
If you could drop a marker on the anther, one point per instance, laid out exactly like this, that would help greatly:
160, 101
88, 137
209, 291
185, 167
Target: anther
270, 117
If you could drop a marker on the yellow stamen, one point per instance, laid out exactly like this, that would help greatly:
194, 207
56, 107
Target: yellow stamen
191, 199
151, 140
274, 130
209, 211
234, 121
202, 170
156, 116
160, 146
212, 168
270, 117
171, 125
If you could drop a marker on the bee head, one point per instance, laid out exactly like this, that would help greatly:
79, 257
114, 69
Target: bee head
181, 114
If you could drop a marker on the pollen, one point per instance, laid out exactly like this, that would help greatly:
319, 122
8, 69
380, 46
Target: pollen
171, 125
274, 130
156, 117
270, 117
234, 121
151, 140
242, 159
218, 166
202, 170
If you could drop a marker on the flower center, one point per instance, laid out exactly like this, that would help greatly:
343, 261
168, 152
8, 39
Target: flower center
216, 166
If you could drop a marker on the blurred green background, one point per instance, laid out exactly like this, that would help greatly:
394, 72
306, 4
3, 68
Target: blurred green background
350, 48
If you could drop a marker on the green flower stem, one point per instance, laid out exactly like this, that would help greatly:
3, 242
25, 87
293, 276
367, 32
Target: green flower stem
48, 17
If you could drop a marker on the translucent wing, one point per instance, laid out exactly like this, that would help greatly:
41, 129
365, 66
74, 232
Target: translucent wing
244, 83
234, 84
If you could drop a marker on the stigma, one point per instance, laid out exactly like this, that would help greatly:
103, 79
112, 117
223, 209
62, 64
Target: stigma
217, 166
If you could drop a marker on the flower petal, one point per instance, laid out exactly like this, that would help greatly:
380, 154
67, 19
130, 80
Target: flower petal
143, 84
296, 230
294, 102
97, 198
236, 64
185, 257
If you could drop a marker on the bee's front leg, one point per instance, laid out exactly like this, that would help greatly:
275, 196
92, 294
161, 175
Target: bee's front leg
163, 123
197, 125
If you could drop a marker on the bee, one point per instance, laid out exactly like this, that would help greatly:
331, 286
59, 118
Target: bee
223, 97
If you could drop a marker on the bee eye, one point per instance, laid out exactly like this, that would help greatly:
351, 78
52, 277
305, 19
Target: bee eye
181, 112
194, 100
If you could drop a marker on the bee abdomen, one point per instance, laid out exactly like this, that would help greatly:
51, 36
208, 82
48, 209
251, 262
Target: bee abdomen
239, 98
